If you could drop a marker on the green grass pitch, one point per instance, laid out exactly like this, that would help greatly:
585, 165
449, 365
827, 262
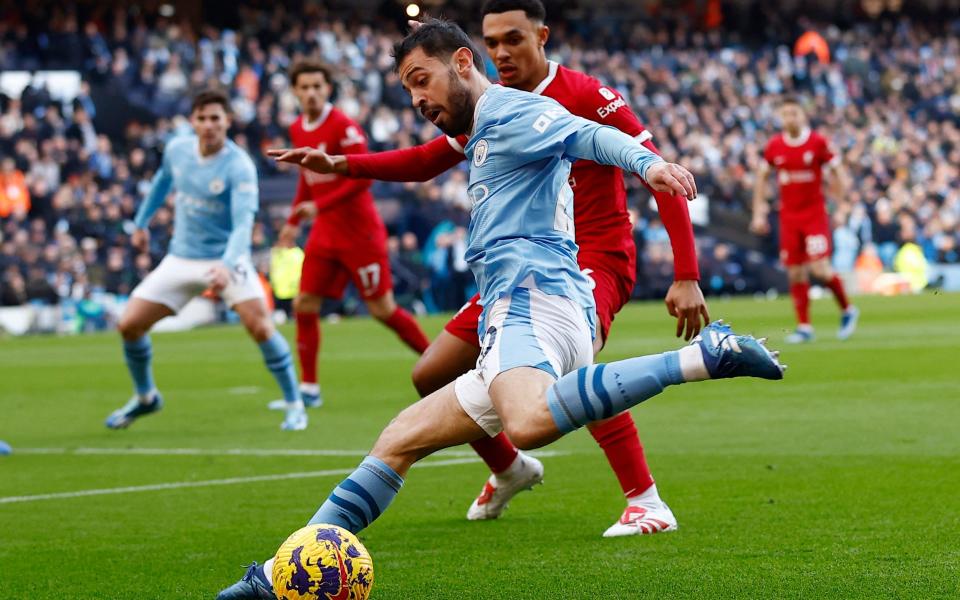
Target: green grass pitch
841, 481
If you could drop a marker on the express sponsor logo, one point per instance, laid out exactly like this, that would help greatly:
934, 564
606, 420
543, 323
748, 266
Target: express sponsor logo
609, 109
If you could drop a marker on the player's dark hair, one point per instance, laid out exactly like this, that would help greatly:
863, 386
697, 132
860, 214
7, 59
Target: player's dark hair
437, 38
534, 9
210, 96
310, 66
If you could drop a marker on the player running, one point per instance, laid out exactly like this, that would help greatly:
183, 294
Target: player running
348, 241
215, 204
799, 155
533, 378
515, 36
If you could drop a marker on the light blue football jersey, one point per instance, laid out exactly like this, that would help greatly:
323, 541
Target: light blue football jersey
215, 203
521, 230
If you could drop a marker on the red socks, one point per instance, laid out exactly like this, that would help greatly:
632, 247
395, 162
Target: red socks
498, 452
409, 331
836, 286
619, 440
308, 339
801, 301
308, 345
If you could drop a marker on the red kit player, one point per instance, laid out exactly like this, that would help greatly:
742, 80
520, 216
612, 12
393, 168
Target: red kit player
799, 156
347, 241
515, 37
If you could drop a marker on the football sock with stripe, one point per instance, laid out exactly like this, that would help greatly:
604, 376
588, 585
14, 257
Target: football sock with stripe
601, 391
361, 497
276, 354
139, 356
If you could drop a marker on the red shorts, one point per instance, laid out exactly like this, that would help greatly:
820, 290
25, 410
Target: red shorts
806, 240
326, 271
612, 286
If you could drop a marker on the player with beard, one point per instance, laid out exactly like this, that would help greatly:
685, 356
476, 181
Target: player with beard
534, 378
515, 36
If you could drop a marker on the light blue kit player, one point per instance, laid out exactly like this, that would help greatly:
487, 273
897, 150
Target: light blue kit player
216, 200
534, 377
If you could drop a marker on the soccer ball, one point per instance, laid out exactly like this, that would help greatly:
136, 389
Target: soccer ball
322, 562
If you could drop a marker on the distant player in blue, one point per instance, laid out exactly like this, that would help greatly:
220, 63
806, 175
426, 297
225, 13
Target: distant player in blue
216, 200
534, 377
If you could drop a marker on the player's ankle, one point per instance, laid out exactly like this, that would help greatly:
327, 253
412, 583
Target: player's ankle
648, 498
692, 365
515, 468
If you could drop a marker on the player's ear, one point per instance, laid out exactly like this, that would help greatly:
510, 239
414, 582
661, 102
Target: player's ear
543, 34
463, 58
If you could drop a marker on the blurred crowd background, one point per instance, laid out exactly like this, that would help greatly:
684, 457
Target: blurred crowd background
884, 88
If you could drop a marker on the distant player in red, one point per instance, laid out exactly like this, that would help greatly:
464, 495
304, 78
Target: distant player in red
515, 37
799, 155
347, 241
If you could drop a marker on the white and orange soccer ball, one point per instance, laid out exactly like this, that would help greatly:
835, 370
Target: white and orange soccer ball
322, 562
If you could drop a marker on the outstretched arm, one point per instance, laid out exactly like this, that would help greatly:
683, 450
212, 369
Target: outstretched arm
609, 146
418, 163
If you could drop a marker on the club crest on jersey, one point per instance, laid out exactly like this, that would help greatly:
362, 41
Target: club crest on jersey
480, 152
807, 157
217, 186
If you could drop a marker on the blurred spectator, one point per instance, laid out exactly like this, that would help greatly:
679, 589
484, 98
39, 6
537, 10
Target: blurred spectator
888, 96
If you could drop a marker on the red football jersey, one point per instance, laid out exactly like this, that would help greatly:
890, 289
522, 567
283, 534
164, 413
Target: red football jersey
345, 210
799, 163
600, 206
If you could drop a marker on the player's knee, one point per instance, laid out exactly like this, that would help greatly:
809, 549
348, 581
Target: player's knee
797, 275
425, 377
822, 271
130, 329
261, 330
382, 308
397, 445
523, 436
305, 303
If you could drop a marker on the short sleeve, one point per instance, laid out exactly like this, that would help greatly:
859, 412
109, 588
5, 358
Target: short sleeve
768, 153
827, 155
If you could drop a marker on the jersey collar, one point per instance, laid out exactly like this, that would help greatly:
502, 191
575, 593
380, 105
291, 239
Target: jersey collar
800, 140
551, 75
310, 126
203, 160
480, 102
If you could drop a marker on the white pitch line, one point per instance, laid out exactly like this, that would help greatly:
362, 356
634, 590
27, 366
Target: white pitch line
86, 451
214, 482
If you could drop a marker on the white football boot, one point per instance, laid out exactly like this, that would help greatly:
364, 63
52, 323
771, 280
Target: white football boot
500, 489
643, 520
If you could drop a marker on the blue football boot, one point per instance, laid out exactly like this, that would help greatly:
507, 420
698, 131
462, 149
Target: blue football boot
310, 393
802, 335
132, 410
727, 354
254, 585
848, 322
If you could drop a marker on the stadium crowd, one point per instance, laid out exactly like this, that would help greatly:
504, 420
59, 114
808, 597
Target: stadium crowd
888, 97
